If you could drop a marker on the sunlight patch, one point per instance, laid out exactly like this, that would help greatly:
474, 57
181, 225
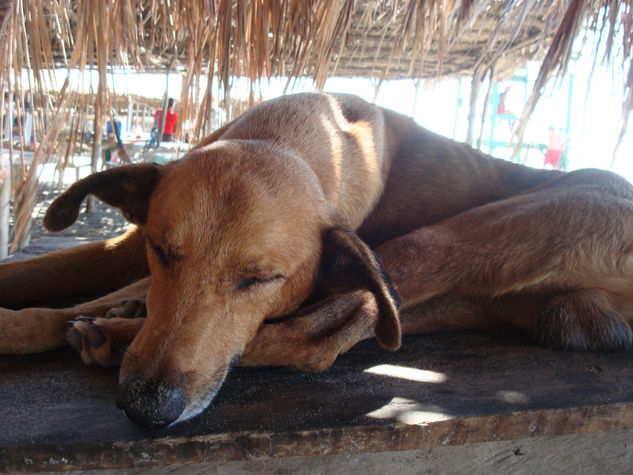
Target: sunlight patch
512, 397
409, 412
412, 374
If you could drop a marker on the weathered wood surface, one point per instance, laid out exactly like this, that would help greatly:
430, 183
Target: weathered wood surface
437, 391
586, 453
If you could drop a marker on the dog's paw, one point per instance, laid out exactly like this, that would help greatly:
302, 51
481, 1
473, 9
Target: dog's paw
582, 321
312, 338
130, 308
102, 341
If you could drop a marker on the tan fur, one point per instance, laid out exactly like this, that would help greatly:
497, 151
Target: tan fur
259, 245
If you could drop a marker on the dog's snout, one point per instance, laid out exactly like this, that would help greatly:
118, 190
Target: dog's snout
150, 403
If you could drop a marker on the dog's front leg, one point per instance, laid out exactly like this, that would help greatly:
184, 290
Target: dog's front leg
33, 330
312, 338
309, 339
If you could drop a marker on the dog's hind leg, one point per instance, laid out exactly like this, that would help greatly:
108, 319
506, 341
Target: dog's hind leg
569, 237
583, 319
87, 270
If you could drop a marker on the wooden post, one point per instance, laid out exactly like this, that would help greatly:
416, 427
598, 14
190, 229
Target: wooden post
416, 85
4, 200
163, 115
135, 109
29, 199
128, 123
5, 190
376, 90
96, 148
484, 113
475, 85
5, 208
210, 115
8, 122
457, 106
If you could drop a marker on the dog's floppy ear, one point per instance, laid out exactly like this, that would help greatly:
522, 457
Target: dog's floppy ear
127, 187
348, 264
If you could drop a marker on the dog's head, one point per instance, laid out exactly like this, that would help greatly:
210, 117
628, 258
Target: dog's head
236, 233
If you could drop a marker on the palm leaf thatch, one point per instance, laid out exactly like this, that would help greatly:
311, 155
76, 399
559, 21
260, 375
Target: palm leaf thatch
212, 42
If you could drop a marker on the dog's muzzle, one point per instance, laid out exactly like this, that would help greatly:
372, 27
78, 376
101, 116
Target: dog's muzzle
150, 403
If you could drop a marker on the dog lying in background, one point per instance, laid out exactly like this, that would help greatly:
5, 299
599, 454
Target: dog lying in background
308, 224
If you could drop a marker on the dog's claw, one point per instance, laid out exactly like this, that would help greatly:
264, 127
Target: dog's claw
74, 338
142, 311
84, 318
84, 327
94, 341
110, 313
95, 336
131, 307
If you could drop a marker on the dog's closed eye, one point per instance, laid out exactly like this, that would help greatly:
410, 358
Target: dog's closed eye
166, 254
253, 281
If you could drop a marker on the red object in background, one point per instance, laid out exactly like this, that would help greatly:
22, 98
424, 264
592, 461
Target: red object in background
170, 120
552, 157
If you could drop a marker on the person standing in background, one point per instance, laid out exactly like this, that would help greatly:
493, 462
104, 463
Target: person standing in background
502, 109
170, 121
555, 147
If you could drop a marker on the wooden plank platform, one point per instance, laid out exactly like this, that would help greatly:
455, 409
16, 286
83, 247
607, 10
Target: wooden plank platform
462, 402
448, 394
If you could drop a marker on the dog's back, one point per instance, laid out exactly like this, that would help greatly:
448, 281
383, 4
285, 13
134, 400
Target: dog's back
380, 171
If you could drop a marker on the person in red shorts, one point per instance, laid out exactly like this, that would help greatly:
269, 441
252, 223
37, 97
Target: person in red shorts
502, 109
170, 121
555, 148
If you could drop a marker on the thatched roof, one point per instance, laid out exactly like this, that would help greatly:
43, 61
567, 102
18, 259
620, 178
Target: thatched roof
224, 39
352, 39
316, 38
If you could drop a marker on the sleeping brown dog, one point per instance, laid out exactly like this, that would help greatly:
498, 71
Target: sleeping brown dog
277, 239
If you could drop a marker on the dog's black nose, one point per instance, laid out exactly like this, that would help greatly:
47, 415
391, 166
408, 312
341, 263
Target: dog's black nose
150, 403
